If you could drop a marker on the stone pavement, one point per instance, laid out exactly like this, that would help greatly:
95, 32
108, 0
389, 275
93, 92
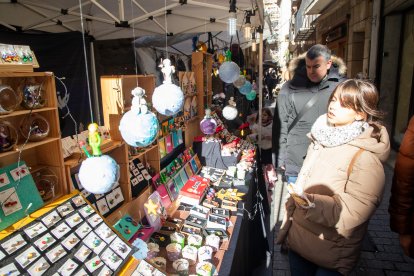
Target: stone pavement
388, 260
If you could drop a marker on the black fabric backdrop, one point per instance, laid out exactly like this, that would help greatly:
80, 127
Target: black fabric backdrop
62, 54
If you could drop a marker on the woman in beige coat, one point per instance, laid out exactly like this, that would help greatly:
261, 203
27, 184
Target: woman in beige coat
325, 227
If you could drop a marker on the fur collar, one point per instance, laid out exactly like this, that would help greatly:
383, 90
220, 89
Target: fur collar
297, 70
330, 136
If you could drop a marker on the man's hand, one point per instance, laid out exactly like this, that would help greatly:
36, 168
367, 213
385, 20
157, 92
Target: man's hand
405, 242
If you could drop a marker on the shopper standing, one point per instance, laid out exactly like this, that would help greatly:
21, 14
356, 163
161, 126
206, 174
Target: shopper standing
301, 101
342, 180
401, 206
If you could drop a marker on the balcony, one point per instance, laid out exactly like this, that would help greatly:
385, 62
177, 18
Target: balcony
303, 25
317, 6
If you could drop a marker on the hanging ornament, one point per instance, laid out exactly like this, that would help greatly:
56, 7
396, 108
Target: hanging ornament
229, 71
168, 98
208, 125
139, 127
230, 110
251, 95
246, 88
98, 173
240, 81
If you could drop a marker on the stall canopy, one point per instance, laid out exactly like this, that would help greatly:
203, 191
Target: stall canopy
110, 19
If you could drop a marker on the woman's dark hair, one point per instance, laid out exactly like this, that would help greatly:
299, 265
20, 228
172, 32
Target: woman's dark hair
267, 111
362, 96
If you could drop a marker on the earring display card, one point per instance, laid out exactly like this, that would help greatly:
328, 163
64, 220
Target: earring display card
139, 177
69, 239
19, 196
105, 203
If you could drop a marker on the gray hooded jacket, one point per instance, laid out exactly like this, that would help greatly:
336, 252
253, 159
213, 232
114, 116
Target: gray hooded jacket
291, 147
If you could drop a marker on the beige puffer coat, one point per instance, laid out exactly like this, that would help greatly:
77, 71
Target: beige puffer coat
330, 235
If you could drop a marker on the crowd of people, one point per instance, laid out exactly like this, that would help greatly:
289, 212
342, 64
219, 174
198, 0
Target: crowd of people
327, 137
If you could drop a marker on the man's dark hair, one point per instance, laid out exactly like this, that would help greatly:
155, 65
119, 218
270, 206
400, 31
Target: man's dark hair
317, 51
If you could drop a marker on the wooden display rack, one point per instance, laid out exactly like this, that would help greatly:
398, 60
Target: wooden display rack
34, 153
202, 66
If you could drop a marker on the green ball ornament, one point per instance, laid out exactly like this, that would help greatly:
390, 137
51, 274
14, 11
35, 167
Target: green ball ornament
251, 95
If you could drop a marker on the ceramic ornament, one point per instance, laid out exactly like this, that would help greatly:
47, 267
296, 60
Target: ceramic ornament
168, 98
230, 111
246, 88
251, 96
208, 125
139, 126
98, 173
229, 71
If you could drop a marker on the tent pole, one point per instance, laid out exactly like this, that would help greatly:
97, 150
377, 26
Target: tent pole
260, 82
97, 112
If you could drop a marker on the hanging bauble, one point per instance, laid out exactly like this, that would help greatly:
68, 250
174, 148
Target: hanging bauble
99, 174
230, 111
168, 98
139, 130
221, 58
246, 88
229, 71
240, 81
251, 95
208, 125
139, 127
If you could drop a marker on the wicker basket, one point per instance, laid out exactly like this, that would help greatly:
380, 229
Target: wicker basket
9, 99
35, 125
8, 136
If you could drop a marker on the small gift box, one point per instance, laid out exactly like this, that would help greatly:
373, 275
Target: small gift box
218, 222
199, 211
195, 221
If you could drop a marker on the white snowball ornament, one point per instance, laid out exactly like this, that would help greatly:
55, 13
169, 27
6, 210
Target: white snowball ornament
230, 111
98, 174
139, 127
168, 98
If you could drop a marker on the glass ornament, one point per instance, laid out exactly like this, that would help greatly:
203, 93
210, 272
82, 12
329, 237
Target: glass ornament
246, 88
35, 127
139, 127
229, 71
9, 99
240, 81
8, 136
46, 181
34, 96
251, 95
208, 125
168, 98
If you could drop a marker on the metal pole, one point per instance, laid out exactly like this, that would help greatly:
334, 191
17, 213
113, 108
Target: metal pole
260, 81
97, 112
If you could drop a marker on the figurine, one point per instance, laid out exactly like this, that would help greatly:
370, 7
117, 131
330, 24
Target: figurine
138, 102
94, 139
167, 70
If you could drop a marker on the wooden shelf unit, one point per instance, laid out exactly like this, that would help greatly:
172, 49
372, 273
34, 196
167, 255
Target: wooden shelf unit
116, 92
202, 67
44, 153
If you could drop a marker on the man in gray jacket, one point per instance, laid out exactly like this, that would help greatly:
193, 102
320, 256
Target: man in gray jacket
300, 102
